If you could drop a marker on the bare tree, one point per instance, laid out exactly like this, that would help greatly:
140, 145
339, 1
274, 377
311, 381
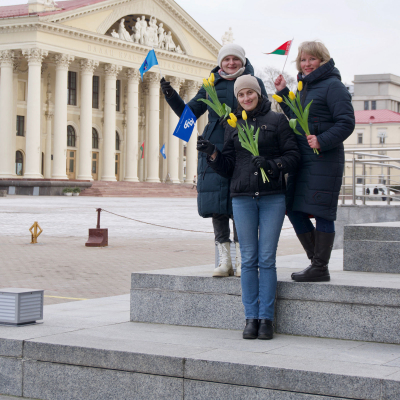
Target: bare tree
268, 76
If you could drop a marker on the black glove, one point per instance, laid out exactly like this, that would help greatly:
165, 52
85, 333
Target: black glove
166, 88
206, 146
222, 121
260, 162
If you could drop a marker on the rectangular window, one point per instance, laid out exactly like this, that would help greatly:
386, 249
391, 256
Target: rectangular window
360, 138
382, 139
366, 105
95, 96
360, 180
118, 94
373, 105
71, 88
20, 125
359, 156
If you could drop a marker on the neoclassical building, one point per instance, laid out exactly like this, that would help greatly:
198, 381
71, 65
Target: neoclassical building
72, 104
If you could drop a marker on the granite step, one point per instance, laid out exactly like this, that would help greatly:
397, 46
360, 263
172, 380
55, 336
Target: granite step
353, 306
89, 350
372, 247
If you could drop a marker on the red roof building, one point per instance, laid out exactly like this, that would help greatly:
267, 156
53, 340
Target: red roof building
376, 117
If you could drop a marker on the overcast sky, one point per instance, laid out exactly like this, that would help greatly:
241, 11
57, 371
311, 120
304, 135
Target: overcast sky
361, 35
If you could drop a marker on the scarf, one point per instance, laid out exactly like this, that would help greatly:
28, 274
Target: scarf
232, 77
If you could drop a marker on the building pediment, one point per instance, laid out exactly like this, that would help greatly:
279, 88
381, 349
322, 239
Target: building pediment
104, 16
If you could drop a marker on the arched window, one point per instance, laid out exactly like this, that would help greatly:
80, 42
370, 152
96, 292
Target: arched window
116, 141
95, 139
70, 136
19, 163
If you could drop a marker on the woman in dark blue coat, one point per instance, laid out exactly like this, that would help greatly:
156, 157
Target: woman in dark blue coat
213, 198
314, 189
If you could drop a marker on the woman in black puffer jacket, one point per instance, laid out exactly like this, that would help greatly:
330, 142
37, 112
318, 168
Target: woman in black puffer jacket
314, 189
258, 207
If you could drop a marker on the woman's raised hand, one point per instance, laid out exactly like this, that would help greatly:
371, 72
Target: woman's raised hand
280, 83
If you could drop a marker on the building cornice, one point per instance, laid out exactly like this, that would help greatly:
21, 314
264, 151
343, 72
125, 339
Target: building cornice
189, 23
98, 39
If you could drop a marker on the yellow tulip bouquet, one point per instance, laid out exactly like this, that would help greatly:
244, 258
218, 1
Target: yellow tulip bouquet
294, 103
247, 139
215, 104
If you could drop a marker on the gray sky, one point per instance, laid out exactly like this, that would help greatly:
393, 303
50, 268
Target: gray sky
361, 35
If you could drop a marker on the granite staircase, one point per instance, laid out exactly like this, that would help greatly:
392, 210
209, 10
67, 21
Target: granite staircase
178, 336
139, 189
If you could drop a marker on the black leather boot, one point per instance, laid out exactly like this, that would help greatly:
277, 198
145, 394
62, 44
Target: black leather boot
307, 240
251, 329
265, 329
318, 270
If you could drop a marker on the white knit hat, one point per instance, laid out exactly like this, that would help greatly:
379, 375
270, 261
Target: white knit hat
246, 82
231, 49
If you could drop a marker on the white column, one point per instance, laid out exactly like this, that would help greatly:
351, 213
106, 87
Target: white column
173, 142
111, 72
85, 142
154, 128
191, 152
49, 134
33, 157
7, 133
60, 116
132, 127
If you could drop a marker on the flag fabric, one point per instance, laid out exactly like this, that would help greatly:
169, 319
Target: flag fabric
142, 150
162, 151
185, 125
283, 50
148, 62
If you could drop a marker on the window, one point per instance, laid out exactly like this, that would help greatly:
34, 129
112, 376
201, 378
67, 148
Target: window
20, 125
373, 105
359, 156
116, 141
359, 138
382, 139
360, 180
118, 94
95, 139
95, 96
70, 136
43, 164
19, 163
71, 88
366, 105
382, 152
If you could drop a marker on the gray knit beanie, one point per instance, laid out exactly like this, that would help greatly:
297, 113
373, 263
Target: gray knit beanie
231, 49
246, 82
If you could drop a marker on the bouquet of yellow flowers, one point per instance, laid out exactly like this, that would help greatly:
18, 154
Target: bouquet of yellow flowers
294, 104
247, 139
215, 104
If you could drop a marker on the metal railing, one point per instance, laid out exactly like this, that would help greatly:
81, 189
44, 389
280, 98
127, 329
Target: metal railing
384, 186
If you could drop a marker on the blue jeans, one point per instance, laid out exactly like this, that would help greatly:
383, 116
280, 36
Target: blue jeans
258, 223
302, 224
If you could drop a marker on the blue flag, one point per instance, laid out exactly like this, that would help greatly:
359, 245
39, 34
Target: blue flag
148, 62
162, 151
185, 125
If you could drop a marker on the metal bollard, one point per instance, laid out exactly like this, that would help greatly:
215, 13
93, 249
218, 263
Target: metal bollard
35, 234
97, 237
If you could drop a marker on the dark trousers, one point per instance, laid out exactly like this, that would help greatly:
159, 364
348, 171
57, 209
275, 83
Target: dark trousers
302, 224
222, 231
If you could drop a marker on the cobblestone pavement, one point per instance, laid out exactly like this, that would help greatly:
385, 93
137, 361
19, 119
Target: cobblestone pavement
67, 270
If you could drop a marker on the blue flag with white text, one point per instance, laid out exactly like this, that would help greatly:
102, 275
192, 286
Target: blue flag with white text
185, 125
162, 151
148, 62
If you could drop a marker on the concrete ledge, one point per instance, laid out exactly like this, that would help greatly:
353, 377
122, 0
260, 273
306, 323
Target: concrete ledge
11, 376
372, 248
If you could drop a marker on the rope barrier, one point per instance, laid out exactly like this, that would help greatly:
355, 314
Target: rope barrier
162, 226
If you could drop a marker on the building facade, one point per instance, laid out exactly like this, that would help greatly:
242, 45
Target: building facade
72, 103
376, 92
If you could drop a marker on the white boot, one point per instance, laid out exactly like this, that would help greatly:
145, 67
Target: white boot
225, 263
238, 260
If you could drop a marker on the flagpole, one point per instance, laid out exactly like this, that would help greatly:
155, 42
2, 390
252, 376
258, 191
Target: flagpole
287, 55
162, 76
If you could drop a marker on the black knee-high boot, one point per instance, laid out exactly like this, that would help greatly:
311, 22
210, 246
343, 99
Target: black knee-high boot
307, 240
318, 270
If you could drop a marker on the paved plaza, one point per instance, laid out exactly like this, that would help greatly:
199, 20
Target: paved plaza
68, 271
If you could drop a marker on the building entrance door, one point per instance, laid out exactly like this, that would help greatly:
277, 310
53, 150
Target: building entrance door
71, 164
95, 165
117, 167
